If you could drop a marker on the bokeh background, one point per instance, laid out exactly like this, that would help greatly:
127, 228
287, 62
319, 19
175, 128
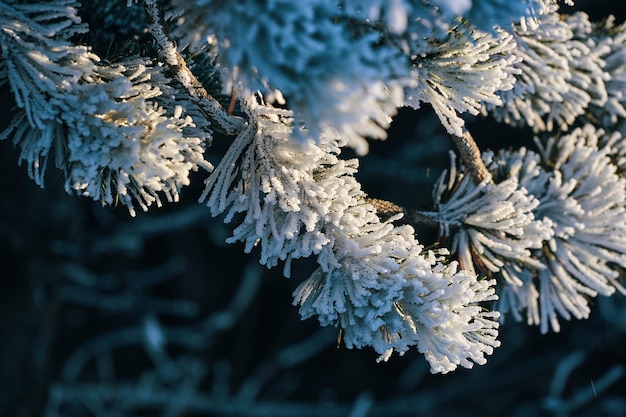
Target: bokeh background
102, 314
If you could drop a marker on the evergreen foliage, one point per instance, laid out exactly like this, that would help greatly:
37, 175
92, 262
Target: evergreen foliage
290, 85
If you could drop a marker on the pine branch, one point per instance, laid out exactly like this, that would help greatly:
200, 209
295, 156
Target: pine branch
197, 93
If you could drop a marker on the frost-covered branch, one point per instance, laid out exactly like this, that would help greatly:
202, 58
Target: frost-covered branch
549, 226
374, 280
101, 121
210, 106
536, 233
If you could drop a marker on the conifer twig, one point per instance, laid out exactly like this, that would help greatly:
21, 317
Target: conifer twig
470, 153
233, 101
384, 207
197, 93
387, 208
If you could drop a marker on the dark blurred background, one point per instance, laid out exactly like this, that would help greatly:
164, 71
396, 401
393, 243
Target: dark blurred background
106, 315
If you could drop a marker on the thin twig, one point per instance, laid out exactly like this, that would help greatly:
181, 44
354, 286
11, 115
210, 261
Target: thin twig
233, 101
470, 153
428, 218
386, 209
197, 93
